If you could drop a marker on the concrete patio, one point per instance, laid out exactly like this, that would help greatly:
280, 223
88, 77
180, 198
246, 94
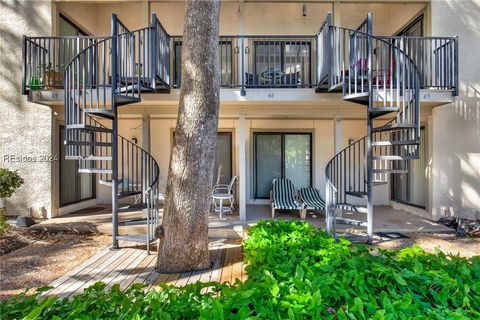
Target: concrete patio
386, 219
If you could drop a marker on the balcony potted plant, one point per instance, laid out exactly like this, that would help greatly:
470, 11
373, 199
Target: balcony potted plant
10, 181
35, 82
53, 76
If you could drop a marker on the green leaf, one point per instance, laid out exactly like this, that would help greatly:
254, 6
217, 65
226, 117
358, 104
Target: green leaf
275, 290
399, 279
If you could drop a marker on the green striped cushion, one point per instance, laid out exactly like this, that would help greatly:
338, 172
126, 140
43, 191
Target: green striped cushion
312, 198
284, 195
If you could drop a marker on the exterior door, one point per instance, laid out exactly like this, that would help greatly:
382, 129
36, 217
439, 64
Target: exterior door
74, 187
411, 188
281, 155
222, 172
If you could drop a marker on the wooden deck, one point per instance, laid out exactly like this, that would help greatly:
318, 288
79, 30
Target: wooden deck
132, 265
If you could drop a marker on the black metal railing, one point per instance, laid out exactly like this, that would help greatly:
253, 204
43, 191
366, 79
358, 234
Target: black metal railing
45, 59
248, 61
435, 57
160, 52
377, 73
259, 61
100, 78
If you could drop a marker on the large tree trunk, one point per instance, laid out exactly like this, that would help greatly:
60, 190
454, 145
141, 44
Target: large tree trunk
184, 245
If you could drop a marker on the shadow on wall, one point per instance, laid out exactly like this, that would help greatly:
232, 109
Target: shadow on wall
17, 18
456, 158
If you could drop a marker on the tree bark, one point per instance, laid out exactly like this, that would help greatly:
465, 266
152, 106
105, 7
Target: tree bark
184, 246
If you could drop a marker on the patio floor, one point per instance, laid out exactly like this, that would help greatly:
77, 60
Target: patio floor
132, 265
386, 219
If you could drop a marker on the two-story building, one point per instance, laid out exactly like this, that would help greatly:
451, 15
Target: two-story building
303, 82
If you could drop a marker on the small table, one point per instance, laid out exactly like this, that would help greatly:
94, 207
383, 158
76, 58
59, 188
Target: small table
221, 197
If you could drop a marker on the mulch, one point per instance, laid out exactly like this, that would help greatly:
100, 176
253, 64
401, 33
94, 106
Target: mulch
17, 237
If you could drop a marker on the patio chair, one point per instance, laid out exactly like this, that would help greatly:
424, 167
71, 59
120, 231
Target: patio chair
227, 189
283, 197
311, 198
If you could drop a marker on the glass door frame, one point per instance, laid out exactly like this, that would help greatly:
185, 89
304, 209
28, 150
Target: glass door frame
282, 155
393, 197
61, 129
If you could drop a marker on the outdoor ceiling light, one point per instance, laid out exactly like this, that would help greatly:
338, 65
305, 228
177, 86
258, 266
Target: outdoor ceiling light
304, 9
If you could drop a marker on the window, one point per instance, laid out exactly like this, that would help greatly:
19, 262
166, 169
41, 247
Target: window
414, 29
411, 187
281, 62
68, 28
74, 187
226, 61
281, 155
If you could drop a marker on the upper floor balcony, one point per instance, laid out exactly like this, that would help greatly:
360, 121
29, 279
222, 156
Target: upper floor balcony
255, 67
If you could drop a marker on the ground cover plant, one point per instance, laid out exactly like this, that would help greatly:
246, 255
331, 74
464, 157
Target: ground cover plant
294, 272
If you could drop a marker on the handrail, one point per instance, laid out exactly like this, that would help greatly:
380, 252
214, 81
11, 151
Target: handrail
352, 168
79, 67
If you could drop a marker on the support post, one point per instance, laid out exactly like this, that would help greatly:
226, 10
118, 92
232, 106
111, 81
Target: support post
369, 135
242, 194
242, 66
114, 136
153, 51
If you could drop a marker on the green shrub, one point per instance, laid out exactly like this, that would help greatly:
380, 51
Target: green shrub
9, 182
294, 272
3, 221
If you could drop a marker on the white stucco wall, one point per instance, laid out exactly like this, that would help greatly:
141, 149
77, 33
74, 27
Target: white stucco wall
456, 127
25, 128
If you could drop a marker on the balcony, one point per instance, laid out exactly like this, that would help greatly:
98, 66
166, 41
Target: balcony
319, 62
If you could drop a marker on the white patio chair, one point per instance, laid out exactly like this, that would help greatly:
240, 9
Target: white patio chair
226, 189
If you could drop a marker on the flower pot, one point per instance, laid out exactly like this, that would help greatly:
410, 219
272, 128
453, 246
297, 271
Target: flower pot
53, 79
35, 83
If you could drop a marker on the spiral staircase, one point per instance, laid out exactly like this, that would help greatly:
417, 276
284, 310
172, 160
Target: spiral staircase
375, 72
104, 76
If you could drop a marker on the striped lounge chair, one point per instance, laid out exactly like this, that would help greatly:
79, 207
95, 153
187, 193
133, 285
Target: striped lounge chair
311, 198
283, 197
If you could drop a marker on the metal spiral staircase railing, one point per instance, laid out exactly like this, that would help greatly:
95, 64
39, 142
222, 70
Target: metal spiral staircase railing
374, 72
102, 77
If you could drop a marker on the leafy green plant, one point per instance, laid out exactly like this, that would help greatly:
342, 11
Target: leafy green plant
3, 221
9, 182
294, 272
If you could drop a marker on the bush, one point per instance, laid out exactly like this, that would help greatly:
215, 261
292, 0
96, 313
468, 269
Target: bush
3, 222
294, 272
9, 182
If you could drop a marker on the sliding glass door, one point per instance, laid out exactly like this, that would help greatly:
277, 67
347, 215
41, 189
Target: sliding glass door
411, 187
222, 172
74, 187
281, 155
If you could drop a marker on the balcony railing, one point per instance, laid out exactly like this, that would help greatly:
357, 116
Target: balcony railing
45, 59
246, 62
435, 57
260, 61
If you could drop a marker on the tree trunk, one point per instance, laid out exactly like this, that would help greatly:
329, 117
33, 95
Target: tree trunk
184, 246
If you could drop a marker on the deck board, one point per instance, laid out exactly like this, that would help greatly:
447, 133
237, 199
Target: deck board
132, 265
